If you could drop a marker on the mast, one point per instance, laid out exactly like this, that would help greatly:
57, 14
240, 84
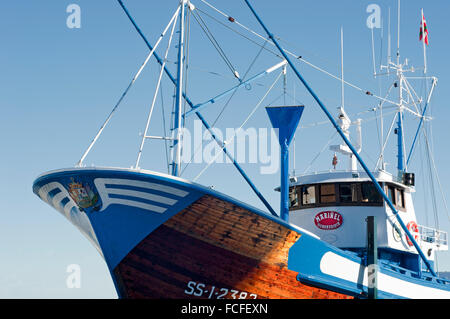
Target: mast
177, 126
400, 140
344, 121
399, 130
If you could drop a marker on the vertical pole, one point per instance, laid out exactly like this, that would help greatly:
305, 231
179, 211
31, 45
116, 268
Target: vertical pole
400, 155
284, 189
424, 46
176, 146
389, 39
400, 141
398, 33
342, 67
372, 257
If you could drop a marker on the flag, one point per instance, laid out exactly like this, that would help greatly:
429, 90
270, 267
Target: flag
423, 31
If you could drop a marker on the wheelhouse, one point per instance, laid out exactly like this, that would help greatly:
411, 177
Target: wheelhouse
344, 194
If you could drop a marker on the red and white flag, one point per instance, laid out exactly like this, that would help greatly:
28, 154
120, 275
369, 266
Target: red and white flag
423, 36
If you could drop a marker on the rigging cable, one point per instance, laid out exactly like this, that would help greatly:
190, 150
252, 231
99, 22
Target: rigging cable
231, 139
216, 45
136, 76
320, 152
164, 127
300, 58
223, 109
155, 95
243, 79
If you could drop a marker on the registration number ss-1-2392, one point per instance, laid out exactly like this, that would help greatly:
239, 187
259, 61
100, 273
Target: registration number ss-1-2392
212, 292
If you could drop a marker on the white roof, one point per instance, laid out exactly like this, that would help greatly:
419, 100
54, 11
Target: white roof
333, 176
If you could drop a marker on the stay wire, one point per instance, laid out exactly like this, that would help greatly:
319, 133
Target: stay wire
223, 109
240, 127
214, 42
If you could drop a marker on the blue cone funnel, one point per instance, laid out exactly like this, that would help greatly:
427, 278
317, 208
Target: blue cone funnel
285, 119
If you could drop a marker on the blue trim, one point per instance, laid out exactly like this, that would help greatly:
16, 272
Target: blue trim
417, 133
53, 193
64, 201
400, 155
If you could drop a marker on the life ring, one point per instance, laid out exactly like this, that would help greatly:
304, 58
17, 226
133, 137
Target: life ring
414, 230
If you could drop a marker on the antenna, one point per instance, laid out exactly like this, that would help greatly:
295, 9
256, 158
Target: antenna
373, 52
342, 67
398, 33
389, 38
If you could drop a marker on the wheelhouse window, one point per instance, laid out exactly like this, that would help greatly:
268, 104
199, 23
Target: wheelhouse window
391, 194
348, 193
293, 197
337, 194
400, 198
327, 193
369, 194
308, 195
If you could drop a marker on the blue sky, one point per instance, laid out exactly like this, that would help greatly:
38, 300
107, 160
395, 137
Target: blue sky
59, 84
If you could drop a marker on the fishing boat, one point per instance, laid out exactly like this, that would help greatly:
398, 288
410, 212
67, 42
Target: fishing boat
339, 234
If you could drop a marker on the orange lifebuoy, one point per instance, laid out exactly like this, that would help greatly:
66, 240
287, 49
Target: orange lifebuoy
414, 230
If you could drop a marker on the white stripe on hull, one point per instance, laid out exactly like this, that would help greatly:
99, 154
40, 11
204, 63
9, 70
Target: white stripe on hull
337, 266
100, 184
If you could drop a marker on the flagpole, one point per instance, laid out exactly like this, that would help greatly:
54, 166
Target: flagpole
424, 46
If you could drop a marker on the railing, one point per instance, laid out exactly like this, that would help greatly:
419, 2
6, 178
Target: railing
432, 235
423, 276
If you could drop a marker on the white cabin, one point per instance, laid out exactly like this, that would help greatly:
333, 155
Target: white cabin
334, 206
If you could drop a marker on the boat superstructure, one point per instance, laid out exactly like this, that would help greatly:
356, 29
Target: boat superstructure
163, 236
334, 205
